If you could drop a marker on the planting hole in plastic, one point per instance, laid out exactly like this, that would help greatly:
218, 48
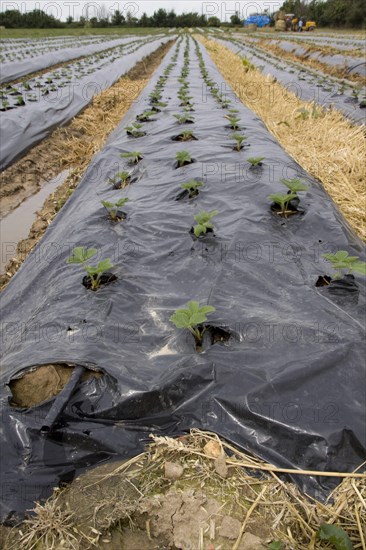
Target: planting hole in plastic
41, 383
105, 279
211, 335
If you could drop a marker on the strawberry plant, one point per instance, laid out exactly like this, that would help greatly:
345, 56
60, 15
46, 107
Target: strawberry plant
133, 156
155, 96
183, 158
342, 260
20, 101
255, 161
120, 180
184, 119
145, 116
192, 187
233, 121
187, 135
134, 130
283, 202
81, 255
239, 138
191, 317
112, 207
204, 223
248, 66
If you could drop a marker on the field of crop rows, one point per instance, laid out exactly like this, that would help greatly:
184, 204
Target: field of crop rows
315, 68
56, 96
206, 276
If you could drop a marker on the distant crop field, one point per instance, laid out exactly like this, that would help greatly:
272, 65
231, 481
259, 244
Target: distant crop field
43, 33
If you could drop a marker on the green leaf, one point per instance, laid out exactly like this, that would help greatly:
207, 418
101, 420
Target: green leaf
193, 306
197, 318
80, 255
198, 229
255, 160
277, 198
295, 185
104, 265
359, 267
121, 202
192, 316
91, 270
336, 536
276, 545
107, 204
181, 319
207, 309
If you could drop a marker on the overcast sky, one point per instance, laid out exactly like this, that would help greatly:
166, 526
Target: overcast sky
63, 8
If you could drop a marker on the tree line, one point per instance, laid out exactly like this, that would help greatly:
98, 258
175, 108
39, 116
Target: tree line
326, 13
329, 13
161, 18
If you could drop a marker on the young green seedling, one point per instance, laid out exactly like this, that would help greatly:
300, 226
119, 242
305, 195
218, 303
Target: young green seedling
248, 66
134, 130
192, 187
183, 119
283, 201
233, 121
20, 101
187, 135
112, 207
255, 161
81, 255
239, 138
120, 180
155, 96
133, 156
204, 223
342, 260
183, 158
191, 317
145, 116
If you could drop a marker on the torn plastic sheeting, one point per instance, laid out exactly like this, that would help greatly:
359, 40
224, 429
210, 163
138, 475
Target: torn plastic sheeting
288, 387
23, 128
305, 90
12, 71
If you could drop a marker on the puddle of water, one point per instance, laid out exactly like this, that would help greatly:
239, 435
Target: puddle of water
16, 225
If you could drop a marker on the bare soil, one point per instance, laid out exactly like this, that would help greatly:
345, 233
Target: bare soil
41, 383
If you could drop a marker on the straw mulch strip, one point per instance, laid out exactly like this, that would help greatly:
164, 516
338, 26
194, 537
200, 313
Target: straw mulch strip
72, 148
251, 491
329, 147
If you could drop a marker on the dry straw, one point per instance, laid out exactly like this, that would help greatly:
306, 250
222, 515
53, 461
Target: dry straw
329, 147
252, 487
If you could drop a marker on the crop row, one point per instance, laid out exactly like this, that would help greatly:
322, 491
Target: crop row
284, 205
52, 100
11, 51
136, 289
306, 83
34, 89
